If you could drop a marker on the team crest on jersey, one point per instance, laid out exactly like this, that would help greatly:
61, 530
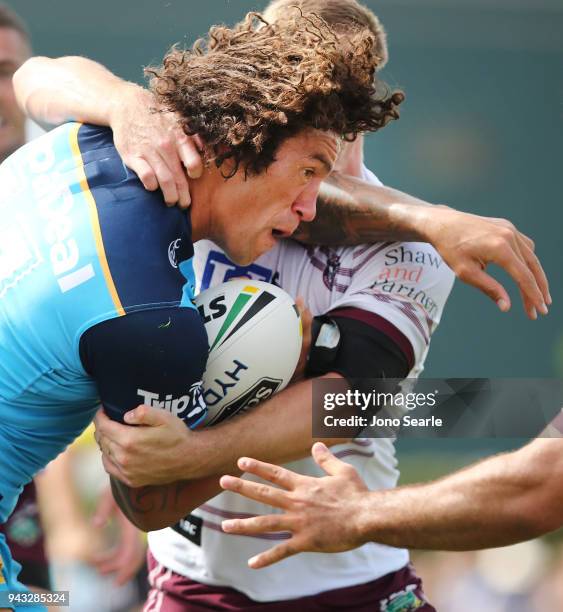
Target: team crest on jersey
405, 600
327, 260
331, 269
172, 252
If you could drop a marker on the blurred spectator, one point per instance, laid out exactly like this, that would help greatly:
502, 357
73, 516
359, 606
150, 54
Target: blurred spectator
100, 561
23, 530
15, 48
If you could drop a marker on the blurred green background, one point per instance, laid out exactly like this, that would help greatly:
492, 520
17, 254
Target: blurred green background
481, 130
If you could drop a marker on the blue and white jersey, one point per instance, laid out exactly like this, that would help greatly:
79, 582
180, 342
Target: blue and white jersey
82, 244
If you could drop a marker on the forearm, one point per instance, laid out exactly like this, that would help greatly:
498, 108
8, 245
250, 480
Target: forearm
352, 211
502, 500
277, 431
52, 91
155, 507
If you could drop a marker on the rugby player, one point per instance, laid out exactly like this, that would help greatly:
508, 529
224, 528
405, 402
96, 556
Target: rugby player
195, 564
221, 558
92, 307
499, 501
28, 545
350, 212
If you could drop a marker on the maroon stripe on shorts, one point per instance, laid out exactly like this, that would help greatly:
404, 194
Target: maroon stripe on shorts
400, 590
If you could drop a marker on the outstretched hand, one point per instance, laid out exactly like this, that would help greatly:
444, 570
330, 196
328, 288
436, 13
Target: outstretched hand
469, 243
318, 512
126, 557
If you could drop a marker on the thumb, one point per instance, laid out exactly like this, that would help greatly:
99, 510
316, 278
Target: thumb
146, 415
327, 461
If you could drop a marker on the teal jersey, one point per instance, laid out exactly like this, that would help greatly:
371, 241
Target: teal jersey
81, 243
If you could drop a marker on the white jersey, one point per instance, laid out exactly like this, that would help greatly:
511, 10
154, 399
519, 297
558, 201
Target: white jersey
405, 285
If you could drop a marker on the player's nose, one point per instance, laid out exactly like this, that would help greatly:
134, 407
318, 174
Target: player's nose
306, 204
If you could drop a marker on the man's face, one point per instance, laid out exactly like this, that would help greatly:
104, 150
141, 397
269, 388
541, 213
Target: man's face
13, 52
256, 212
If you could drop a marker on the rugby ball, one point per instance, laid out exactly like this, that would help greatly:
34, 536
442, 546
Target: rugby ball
254, 333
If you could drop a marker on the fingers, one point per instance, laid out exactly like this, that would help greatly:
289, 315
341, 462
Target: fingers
190, 156
258, 492
328, 462
106, 428
124, 573
258, 524
514, 252
105, 508
536, 268
171, 156
146, 415
113, 470
273, 473
488, 285
526, 282
107, 562
144, 171
273, 555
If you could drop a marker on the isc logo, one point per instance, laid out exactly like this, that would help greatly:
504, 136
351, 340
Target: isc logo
216, 309
178, 406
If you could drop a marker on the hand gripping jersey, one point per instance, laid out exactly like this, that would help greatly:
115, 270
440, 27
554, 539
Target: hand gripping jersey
86, 253
399, 289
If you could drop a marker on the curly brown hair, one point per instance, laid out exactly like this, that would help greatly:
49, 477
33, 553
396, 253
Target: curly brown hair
246, 89
342, 15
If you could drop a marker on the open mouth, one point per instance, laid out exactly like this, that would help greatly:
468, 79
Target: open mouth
282, 233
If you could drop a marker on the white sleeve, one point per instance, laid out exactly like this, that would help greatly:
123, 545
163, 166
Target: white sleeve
405, 286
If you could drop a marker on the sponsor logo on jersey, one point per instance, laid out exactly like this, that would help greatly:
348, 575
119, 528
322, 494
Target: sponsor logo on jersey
405, 600
190, 407
331, 269
403, 254
407, 265
55, 203
219, 268
190, 527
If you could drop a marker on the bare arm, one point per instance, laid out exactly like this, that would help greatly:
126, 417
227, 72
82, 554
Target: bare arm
284, 423
502, 500
352, 211
161, 450
53, 91
154, 507
505, 499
